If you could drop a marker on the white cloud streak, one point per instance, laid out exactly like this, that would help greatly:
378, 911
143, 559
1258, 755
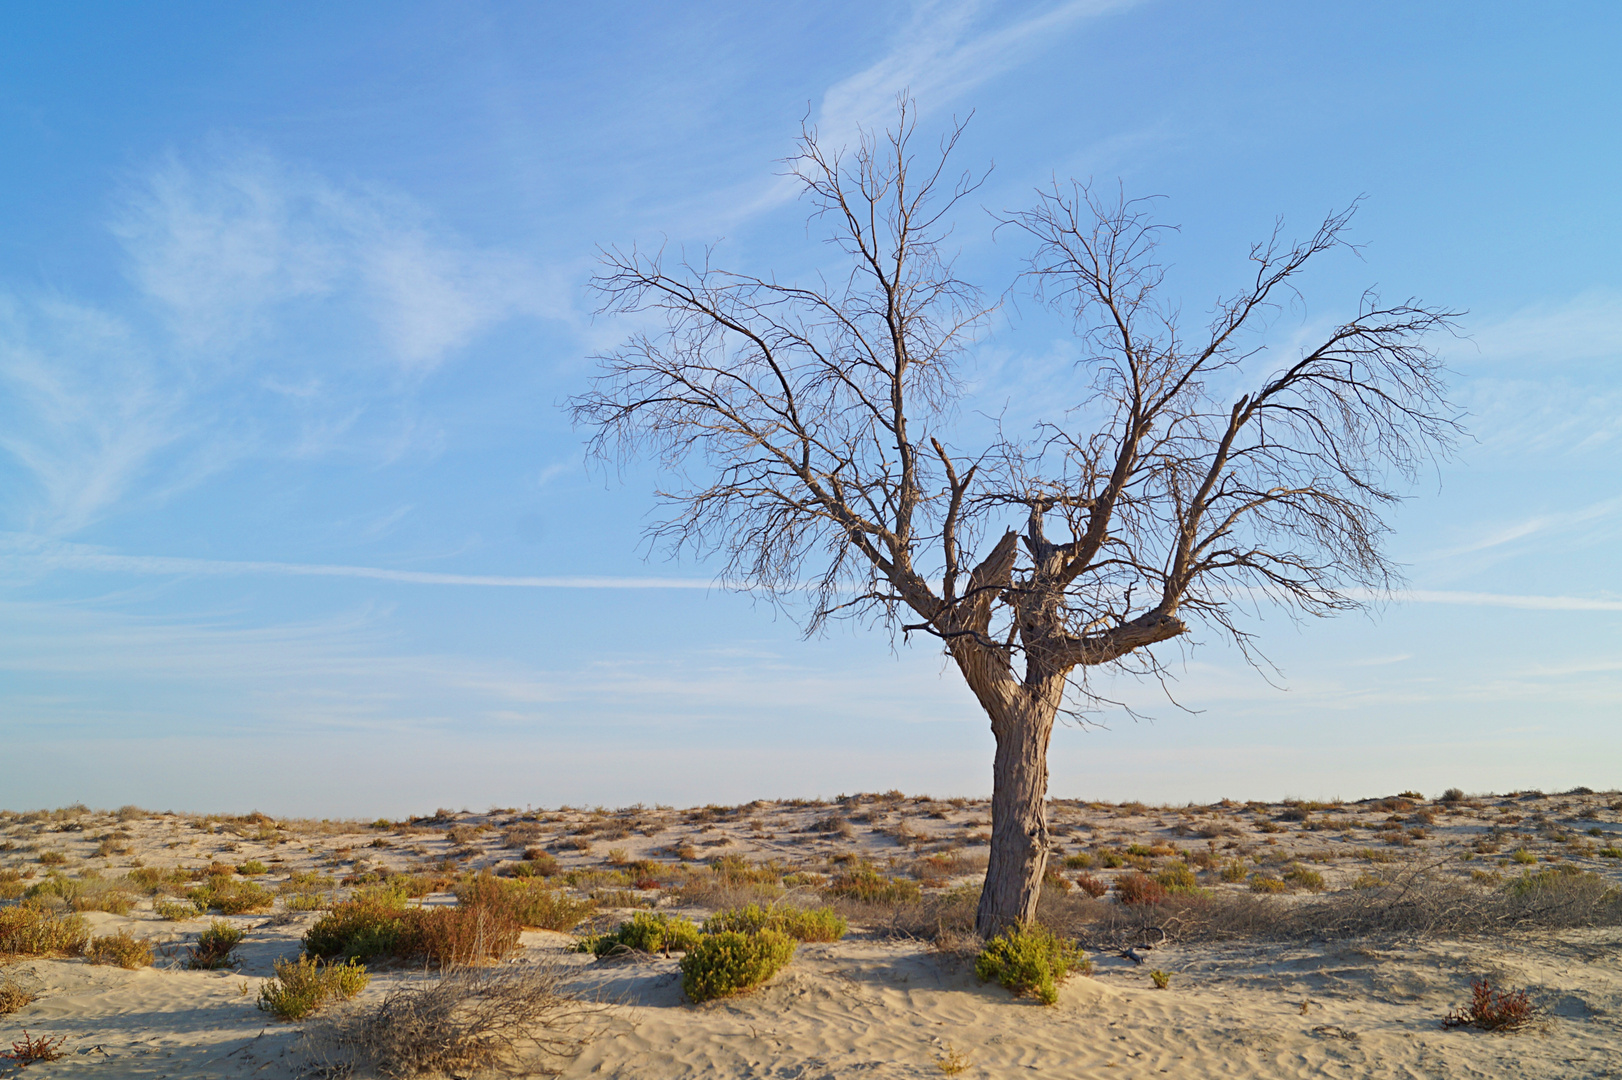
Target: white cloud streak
40, 555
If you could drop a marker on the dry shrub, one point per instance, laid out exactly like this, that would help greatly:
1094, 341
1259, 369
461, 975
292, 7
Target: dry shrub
13, 997
465, 1019
462, 935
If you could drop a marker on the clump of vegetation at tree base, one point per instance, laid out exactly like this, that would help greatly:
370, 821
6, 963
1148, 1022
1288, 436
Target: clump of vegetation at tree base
1030, 959
214, 947
801, 924
1493, 1010
720, 965
304, 985
644, 932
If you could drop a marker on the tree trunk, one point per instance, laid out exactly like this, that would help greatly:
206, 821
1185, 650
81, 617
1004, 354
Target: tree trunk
1019, 826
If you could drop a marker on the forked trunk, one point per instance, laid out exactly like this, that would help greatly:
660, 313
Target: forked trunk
1019, 826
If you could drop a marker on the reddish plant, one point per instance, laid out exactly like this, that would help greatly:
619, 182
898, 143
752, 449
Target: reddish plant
1139, 888
29, 1050
1092, 885
1492, 1010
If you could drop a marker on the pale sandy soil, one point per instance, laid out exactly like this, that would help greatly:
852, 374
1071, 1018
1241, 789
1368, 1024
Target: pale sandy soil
874, 1005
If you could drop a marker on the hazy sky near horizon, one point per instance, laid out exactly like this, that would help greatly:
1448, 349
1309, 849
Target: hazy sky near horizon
290, 298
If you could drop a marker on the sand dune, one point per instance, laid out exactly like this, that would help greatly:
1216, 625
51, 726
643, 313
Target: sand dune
873, 1005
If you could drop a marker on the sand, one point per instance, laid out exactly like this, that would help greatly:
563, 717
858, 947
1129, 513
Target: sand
873, 1006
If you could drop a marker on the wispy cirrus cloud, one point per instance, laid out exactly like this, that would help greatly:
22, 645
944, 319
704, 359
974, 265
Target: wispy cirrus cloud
273, 312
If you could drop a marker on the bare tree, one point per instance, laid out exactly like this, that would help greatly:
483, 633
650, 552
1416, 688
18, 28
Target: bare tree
810, 426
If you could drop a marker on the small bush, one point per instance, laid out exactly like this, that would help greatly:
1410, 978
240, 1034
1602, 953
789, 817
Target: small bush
176, 910
819, 924
869, 886
1524, 857
304, 901
1452, 795
1178, 877
1264, 883
1082, 861
645, 932
300, 987
229, 896
1029, 959
359, 929
1092, 885
530, 901
52, 858
1304, 878
1492, 1010
29, 1049
214, 947
26, 930
465, 1020
538, 862
1161, 979
719, 965
1137, 887
122, 949
461, 935
253, 868
14, 997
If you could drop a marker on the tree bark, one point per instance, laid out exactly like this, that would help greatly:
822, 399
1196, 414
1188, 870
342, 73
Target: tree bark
1019, 826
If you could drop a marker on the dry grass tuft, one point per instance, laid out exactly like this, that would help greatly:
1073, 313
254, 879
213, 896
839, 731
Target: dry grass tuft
1493, 1010
13, 997
465, 1019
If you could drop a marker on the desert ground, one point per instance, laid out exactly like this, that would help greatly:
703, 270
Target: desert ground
1295, 939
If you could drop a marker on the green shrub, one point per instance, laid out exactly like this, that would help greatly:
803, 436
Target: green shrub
1176, 878
719, 965
26, 930
1521, 855
176, 910
253, 868
52, 858
1078, 862
1610, 852
122, 949
1263, 883
229, 896
818, 924
300, 987
645, 932
214, 947
1234, 870
869, 886
1029, 959
1303, 877
304, 901
359, 929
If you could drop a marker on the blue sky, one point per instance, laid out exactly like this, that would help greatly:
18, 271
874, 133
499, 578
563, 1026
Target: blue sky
290, 298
